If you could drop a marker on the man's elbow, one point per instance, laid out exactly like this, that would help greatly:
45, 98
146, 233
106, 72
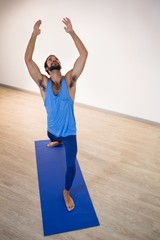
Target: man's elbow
85, 54
27, 59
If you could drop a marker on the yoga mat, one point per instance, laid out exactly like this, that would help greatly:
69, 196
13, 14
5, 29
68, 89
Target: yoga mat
51, 168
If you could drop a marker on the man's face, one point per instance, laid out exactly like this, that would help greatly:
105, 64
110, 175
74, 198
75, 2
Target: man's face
53, 63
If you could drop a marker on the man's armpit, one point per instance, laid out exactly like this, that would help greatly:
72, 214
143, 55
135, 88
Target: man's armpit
41, 85
72, 81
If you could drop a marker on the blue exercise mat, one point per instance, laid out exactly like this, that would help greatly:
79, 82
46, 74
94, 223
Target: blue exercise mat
51, 168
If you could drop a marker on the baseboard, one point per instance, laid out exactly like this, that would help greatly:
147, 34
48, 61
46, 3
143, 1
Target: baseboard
91, 107
119, 114
20, 89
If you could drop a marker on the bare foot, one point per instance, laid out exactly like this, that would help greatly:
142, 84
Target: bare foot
53, 144
68, 200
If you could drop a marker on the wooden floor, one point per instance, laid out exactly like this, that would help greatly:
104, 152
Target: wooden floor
119, 158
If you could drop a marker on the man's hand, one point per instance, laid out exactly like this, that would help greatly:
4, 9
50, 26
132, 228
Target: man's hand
36, 28
68, 25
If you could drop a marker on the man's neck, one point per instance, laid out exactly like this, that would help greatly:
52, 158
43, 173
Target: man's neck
56, 77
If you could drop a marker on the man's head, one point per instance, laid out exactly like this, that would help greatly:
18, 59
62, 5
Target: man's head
52, 63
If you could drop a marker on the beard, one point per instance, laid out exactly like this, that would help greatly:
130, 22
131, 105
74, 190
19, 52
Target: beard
55, 67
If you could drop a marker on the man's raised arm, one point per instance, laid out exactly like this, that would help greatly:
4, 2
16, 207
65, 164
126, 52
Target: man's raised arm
31, 65
81, 60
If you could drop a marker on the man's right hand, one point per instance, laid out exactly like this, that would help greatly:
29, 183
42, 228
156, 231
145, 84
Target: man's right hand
36, 28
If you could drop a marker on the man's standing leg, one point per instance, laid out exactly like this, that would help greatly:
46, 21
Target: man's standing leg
70, 144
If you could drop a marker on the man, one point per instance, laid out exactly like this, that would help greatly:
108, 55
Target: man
58, 93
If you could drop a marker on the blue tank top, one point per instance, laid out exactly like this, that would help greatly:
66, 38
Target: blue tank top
60, 111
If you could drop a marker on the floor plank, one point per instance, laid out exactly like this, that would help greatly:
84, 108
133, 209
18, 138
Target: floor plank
119, 158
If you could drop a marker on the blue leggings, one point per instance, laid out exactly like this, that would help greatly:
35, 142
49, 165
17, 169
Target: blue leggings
70, 144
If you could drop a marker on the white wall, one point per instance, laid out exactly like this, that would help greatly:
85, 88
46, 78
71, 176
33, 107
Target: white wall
122, 73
